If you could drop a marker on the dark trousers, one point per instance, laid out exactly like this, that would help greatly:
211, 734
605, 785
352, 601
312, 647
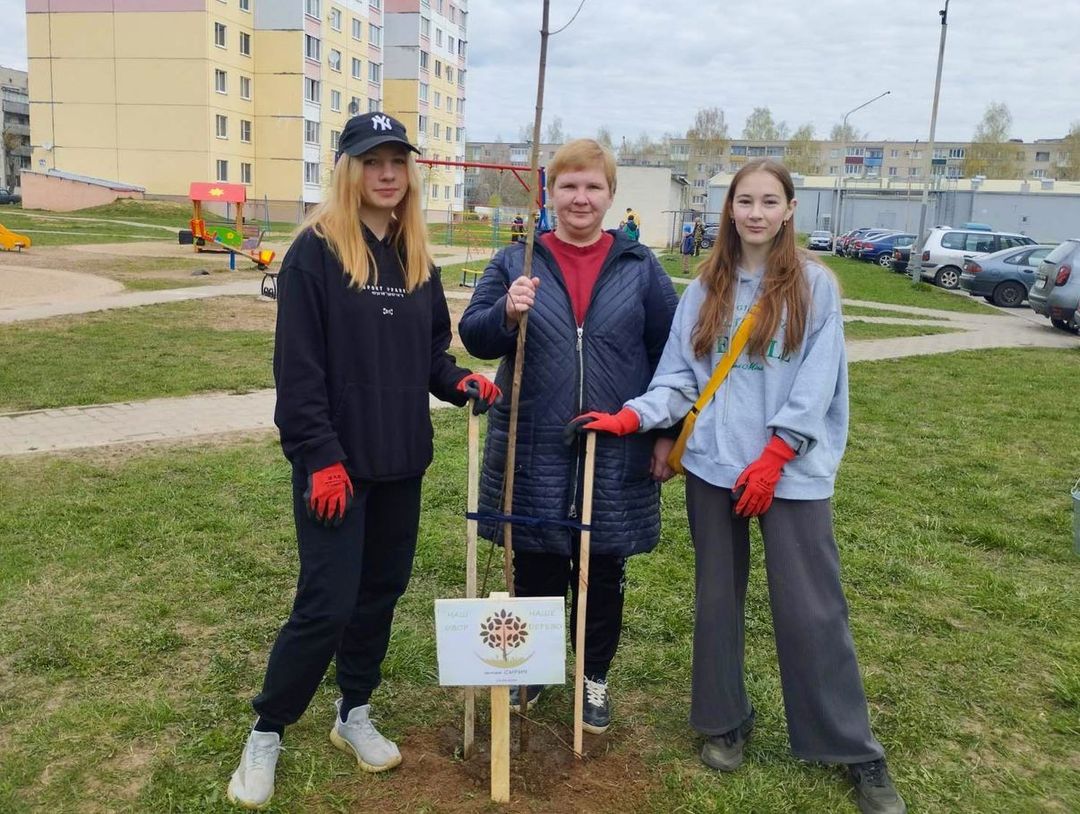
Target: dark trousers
351, 577
823, 693
538, 574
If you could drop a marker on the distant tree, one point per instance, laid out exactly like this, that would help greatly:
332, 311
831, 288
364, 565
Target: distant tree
553, 133
708, 136
643, 148
802, 151
844, 133
1069, 168
761, 127
603, 136
990, 153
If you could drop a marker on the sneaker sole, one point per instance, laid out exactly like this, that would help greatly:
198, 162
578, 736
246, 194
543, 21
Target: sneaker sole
347, 747
595, 730
725, 767
236, 801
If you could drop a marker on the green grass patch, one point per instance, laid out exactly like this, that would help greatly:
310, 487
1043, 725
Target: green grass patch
864, 311
174, 349
859, 329
139, 598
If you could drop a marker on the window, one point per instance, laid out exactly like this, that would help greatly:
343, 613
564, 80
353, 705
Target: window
374, 34
245, 131
422, 124
423, 91
354, 106
1042, 156
1039, 173
438, 37
357, 29
312, 90
335, 101
311, 131
852, 169
449, 133
312, 47
220, 36
335, 139
450, 44
438, 69
461, 135
245, 5
439, 6
435, 190
438, 100
449, 74
424, 59
940, 153
245, 87
221, 126
333, 59
245, 173
374, 105
425, 27
357, 68
894, 153
913, 171
856, 151
311, 8
221, 81
375, 3
457, 187
374, 70
311, 172
446, 191
892, 170
956, 152
335, 19
222, 170
436, 130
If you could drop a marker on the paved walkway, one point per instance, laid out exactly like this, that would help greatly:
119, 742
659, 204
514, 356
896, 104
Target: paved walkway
216, 413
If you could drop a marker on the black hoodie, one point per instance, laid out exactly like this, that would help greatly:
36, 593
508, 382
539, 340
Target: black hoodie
353, 366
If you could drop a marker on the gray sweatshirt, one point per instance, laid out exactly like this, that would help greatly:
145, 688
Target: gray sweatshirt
801, 396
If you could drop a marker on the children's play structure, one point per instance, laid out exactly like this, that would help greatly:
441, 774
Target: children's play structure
235, 238
12, 241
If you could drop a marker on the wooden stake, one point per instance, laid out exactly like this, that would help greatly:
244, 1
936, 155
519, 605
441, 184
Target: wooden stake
472, 503
500, 736
583, 591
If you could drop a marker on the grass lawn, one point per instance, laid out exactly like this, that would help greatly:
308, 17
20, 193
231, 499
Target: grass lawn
173, 349
859, 329
863, 311
139, 595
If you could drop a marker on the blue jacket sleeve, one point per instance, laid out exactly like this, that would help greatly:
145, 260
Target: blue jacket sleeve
445, 374
302, 411
483, 325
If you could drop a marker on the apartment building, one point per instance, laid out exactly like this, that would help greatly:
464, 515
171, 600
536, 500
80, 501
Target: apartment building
160, 93
424, 85
14, 126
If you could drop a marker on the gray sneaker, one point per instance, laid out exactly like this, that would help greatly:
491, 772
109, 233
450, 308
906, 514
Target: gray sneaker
252, 784
725, 752
358, 737
874, 789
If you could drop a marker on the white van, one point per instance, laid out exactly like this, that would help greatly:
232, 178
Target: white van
946, 249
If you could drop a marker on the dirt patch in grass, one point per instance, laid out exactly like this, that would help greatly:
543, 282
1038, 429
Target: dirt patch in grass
433, 777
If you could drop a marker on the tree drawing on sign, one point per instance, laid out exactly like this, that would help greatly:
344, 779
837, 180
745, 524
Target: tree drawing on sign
503, 631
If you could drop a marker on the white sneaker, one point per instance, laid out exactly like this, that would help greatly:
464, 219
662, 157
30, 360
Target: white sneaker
359, 737
252, 784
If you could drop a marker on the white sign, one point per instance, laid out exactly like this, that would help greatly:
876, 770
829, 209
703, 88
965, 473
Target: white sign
494, 642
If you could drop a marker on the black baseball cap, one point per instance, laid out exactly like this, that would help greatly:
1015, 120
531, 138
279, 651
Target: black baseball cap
366, 132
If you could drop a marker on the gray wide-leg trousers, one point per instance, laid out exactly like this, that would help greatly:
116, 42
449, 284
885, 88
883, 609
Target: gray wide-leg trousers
823, 693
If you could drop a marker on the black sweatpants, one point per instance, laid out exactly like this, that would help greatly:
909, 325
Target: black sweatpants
538, 574
819, 674
351, 578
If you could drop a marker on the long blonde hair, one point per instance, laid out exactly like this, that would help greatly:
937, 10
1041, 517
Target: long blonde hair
337, 221
784, 287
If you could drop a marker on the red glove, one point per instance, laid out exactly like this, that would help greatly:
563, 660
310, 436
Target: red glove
481, 390
329, 495
755, 486
624, 422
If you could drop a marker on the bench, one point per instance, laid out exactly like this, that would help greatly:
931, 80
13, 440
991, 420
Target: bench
469, 277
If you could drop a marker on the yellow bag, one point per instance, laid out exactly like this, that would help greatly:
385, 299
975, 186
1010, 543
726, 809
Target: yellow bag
723, 367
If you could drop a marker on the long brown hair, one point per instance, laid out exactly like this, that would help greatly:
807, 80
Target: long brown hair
783, 288
337, 221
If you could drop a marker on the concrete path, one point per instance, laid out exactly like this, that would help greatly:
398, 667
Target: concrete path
216, 413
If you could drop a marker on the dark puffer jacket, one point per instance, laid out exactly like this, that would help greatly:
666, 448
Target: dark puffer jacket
568, 371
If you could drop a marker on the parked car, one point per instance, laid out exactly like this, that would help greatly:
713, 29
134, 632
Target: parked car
820, 240
847, 238
1004, 277
880, 249
946, 249
900, 257
1056, 290
9, 197
711, 233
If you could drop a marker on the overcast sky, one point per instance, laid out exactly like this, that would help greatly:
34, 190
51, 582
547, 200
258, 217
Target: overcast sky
647, 65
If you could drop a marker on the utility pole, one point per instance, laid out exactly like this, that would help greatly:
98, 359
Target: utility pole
839, 185
915, 261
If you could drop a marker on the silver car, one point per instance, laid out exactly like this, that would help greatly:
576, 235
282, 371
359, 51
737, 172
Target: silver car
1056, 290
820, 240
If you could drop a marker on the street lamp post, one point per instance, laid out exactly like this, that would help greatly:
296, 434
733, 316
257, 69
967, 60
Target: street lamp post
916, 248
838, 186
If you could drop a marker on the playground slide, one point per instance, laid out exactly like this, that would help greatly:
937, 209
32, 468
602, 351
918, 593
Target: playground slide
10, 241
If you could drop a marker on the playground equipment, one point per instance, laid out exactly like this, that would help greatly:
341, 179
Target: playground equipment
238, 239
12, 241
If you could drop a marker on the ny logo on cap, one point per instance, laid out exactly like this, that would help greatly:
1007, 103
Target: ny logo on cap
381, 123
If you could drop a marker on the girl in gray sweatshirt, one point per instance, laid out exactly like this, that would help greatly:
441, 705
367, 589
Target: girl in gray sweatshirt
766, 445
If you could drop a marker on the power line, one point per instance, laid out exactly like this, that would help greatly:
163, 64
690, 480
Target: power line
576, 13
